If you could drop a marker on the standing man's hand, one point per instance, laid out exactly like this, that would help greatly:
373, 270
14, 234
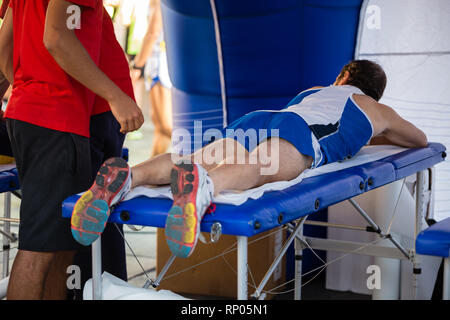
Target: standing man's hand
126, 112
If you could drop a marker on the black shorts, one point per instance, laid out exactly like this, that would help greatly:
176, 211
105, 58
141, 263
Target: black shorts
52, 166
5, 145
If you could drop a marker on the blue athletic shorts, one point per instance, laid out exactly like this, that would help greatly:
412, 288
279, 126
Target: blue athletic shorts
267, 124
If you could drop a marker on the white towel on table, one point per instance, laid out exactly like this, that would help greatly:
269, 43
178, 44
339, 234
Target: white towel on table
367, 154
7, 167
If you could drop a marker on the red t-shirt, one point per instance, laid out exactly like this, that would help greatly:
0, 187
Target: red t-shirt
113, 63
43, 93
3, 9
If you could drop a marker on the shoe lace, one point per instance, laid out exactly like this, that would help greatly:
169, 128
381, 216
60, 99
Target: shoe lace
211, 209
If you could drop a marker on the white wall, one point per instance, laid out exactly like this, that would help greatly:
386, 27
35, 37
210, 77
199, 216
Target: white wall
411, 41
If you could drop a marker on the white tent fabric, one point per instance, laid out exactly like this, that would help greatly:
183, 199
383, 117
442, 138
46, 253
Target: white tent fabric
409, 39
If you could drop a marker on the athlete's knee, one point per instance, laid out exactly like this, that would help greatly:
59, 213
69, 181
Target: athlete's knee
267, 156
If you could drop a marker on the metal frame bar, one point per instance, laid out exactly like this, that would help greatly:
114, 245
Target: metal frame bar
97, 293
298, 248
334, 225
446, 285
7, 237
422, 197
155, 283
278, 258
351, 246
242, 268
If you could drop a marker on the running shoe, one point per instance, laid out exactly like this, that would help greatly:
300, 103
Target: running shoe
91, 211
192, 191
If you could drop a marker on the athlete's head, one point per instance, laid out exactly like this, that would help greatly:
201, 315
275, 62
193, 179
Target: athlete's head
365, 75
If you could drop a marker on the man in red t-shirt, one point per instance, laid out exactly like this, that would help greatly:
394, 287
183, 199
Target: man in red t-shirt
51, 66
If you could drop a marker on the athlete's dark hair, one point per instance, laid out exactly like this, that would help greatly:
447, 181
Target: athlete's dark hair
367, 76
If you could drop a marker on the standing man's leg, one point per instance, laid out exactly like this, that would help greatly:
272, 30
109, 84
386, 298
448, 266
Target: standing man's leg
39, 275
52, 165
28, 275
55, 287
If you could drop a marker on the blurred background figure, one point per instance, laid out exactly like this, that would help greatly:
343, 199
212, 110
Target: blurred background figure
150, 63
139, 29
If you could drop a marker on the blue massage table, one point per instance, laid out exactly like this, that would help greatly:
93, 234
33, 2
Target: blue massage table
435, 241
9, 183
290, 208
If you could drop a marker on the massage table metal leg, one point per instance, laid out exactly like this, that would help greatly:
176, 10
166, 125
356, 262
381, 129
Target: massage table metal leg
242, 267
155, 283
446, 285
421, 208
6, 233
298, 248
377, 229
97, 269
277, 260
429, 217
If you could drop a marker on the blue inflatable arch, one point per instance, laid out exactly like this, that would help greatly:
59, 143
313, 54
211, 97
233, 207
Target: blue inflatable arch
229, 57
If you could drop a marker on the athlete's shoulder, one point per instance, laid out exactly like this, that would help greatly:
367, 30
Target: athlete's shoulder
379, 114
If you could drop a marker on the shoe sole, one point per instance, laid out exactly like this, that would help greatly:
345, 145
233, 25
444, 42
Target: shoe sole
182, 225
91, 211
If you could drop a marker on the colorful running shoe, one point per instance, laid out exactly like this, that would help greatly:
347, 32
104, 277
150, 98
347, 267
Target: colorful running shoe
91, 211
192, 191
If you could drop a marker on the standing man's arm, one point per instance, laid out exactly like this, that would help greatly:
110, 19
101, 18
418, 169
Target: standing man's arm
6, 56
4, 85
151, 36
69, 53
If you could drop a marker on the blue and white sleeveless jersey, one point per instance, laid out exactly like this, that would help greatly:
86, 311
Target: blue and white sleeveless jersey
340, 128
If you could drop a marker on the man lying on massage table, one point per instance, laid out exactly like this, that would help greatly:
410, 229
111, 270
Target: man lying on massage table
321, 125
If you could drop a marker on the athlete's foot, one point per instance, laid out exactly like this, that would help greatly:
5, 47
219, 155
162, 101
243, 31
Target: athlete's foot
192, 191
91, 212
